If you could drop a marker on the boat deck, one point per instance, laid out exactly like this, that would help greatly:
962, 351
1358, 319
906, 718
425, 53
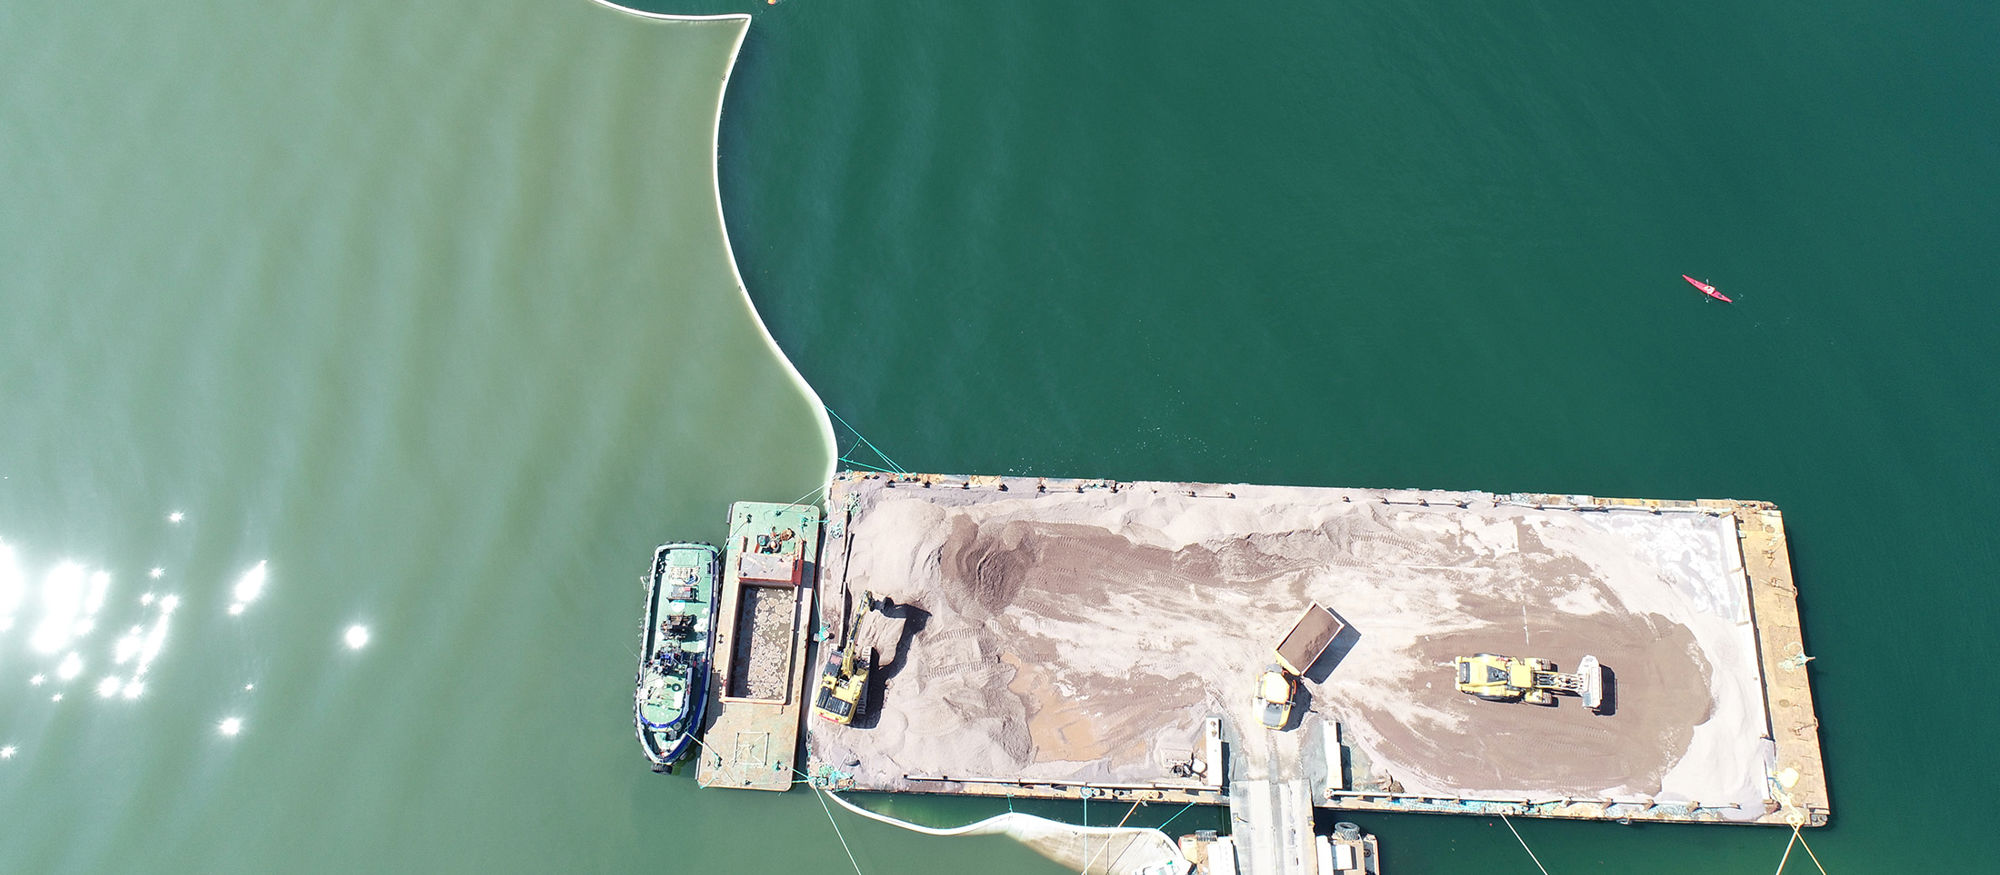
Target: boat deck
751, 729
680, 585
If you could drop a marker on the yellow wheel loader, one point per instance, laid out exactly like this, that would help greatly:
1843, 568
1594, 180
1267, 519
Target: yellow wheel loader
1497, 678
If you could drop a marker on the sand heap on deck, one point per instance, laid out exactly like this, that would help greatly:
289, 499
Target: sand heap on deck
1084, 635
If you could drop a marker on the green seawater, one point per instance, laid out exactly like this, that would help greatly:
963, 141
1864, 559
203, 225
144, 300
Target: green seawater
425, 310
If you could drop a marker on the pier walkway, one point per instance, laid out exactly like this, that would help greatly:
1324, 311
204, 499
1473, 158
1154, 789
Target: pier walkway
1271, 806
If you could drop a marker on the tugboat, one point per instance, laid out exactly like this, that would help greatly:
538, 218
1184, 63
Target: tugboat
673, 668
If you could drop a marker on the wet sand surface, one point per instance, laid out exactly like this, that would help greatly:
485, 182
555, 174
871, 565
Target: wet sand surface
1084, 636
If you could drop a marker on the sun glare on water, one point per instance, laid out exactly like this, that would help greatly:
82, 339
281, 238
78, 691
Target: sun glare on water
249, 587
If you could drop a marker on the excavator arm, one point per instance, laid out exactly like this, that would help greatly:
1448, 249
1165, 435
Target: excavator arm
845, 678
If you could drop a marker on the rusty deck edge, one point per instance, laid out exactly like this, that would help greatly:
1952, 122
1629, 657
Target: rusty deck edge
1422, 496
1797, 786
1028, 789
1615, 810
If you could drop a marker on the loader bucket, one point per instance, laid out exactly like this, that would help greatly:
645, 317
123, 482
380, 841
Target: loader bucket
1593, 682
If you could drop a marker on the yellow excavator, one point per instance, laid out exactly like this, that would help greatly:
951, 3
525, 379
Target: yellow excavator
1497, 678
843, 685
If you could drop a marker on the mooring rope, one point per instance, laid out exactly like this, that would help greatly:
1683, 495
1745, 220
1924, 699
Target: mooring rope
821, 796
697, 768
1788, 851
1107, 843
1020, 825
1809, 852
802, 778
1086, 825
1524, 843
1799, 839
898, 469
1177, 814
795, 502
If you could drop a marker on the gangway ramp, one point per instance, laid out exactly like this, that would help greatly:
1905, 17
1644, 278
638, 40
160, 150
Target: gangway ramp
1271, 804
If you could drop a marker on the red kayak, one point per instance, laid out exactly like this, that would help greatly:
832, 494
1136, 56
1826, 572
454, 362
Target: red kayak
1707, 289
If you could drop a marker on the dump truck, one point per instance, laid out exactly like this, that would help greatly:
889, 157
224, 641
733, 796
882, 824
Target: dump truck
1497, 678
843, 685
1275, 691
1278, 684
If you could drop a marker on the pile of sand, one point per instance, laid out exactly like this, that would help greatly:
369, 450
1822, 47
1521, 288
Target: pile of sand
1084, 636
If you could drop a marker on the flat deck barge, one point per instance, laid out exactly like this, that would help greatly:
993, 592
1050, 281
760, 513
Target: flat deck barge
751, 735
1092, 639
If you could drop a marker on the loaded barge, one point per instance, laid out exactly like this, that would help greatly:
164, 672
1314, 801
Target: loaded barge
751, 733
1093, 639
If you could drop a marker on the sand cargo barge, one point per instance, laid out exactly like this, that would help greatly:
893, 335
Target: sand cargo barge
1096, 639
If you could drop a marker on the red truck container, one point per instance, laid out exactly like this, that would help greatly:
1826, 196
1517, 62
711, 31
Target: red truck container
1309, 638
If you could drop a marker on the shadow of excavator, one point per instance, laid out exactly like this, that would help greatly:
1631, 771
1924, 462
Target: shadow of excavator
911, 622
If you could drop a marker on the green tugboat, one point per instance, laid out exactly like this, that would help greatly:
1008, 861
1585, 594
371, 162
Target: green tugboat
674, 667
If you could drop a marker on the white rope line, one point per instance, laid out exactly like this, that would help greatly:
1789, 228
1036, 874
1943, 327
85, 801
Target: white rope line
704, 746
802, 779
1086, 836
1107, 844
1798, 839
1809, 852
821, 795
795, 502
968, 829
995, 823
1788, 850
826, 435
662, 16
1524, 844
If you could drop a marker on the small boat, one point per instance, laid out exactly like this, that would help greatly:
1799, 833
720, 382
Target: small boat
1707, 289
672, 685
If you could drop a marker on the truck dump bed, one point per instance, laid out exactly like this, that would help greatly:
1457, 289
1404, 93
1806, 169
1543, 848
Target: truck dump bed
1309, 638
